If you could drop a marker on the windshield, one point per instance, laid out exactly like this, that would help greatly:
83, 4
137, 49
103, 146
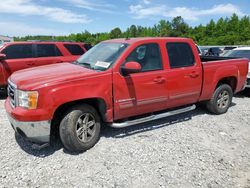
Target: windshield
102, 56
238, 53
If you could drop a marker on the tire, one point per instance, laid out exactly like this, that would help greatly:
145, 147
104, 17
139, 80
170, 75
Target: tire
247, 91
77, 132
221, 99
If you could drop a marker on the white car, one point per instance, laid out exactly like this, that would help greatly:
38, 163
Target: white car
241, 52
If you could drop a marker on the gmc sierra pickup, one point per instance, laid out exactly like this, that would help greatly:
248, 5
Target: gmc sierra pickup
120, 83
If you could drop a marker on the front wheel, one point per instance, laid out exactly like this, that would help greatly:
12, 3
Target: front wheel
221, 99
80, 128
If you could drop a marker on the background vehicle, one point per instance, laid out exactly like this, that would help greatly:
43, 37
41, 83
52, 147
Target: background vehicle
22, 55
119, 82
213, 51
241, 52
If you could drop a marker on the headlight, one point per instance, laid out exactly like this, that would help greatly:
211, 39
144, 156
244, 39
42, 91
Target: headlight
27, 99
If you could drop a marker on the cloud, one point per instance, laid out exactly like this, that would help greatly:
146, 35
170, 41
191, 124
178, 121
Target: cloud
192, 14
20, 29
28, 7
91, 5
147, 2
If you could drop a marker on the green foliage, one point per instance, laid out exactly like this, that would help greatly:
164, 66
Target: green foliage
228, 31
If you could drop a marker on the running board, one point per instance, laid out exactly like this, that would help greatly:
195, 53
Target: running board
153, 117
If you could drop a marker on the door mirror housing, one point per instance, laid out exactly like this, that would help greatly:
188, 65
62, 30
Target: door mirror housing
2, 57
131, 67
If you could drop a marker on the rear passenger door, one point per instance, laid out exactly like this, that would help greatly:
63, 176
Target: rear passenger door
47, 54
18, 56
184, 77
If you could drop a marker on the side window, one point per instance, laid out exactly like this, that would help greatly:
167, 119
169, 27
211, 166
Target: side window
47, 50
74, 49
148, 55
180, 55
87, 46
18, 51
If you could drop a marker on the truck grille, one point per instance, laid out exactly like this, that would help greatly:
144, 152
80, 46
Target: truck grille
11, 93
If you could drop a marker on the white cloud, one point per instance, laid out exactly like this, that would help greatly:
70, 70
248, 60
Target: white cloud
28, 7
91, 5
20, 29
193, 14
147, 2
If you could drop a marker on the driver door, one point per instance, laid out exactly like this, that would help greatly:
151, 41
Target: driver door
142, 92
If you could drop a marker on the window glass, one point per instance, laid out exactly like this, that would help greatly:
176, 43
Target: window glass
102, 56
74, 49
18, 51
148, 55
87, 46
238, 53
47, 50
180, 55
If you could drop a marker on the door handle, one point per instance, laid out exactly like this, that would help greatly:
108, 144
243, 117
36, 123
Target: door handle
159, 80
194, 75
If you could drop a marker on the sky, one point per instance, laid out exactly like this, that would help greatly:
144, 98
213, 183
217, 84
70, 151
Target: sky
62, 17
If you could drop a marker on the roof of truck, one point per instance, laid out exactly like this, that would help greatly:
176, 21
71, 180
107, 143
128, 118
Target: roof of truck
132, 40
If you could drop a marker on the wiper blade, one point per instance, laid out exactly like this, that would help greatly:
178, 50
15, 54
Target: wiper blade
86, 65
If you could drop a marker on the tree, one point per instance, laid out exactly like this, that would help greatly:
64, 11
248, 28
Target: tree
116, 33
179, 27
226, 31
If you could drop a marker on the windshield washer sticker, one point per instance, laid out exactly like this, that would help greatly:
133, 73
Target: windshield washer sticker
102, 64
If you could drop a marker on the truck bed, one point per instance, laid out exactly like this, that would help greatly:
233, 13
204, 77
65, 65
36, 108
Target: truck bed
215, 58
214, 69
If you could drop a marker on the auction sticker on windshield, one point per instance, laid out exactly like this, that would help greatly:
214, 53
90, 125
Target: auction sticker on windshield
102, 64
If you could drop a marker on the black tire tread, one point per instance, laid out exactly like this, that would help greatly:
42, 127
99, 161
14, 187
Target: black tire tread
67, 133
212, 103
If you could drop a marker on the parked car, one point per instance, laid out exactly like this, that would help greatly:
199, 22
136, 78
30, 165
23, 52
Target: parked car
213, 51
22, 55
241, 52
120, 82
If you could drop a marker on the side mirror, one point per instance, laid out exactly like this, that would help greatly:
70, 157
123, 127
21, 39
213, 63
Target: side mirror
131, 67
2, 57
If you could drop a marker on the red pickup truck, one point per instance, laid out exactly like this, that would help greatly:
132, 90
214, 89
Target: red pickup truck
15, 56
120, 83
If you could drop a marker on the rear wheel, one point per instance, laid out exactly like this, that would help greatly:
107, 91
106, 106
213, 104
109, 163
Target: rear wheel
80, 128
221, 99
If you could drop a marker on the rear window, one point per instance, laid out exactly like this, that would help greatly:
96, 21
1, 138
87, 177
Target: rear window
180, 55
74, 49
47, 50
87, 46
18, 51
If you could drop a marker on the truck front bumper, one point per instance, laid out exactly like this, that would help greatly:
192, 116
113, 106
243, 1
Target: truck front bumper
38, 132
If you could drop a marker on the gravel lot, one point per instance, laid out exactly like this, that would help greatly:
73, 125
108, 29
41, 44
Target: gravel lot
195, 149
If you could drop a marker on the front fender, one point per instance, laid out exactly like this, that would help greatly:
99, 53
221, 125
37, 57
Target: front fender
98, 87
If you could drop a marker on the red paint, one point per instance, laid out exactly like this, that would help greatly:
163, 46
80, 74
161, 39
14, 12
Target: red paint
9, 66
126, 96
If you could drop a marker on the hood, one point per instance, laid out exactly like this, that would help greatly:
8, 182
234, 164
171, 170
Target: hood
31, 79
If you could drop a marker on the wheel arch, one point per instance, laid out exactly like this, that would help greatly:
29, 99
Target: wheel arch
231, 81
98, 103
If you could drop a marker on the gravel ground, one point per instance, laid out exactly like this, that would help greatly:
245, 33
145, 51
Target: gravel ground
195, 149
